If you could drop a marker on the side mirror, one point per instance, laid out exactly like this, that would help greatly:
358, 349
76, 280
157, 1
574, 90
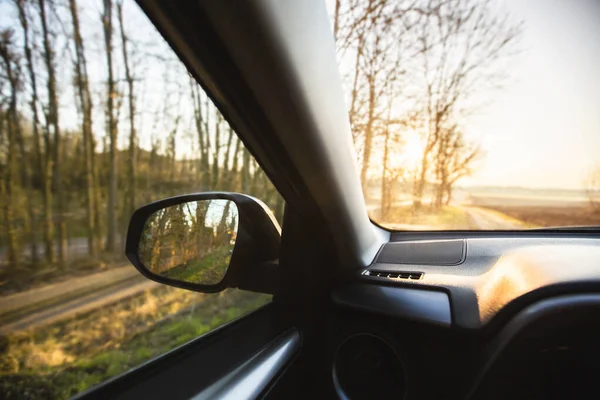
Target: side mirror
206, 242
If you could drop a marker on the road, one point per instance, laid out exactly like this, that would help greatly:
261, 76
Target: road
488, 220
66, 299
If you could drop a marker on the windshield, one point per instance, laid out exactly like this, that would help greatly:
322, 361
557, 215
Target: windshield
470, 114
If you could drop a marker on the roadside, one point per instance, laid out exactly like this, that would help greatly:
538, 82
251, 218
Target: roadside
67, 288
484, 219
64, 358
550, 216
65, 308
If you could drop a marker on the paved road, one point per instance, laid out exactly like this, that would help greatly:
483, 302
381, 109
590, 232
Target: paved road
487, 220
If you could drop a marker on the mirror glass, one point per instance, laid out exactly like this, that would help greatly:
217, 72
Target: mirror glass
190, 242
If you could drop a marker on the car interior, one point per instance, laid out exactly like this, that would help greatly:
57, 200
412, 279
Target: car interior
358, 311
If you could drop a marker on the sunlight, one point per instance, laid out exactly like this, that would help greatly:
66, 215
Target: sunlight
412, 151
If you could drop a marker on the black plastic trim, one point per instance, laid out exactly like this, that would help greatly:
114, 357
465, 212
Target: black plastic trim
251, 378
400, 302
526, 317
400, 236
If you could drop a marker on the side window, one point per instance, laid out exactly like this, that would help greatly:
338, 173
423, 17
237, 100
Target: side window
98, 117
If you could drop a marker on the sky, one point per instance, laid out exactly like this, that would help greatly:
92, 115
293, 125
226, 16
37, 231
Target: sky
542, 128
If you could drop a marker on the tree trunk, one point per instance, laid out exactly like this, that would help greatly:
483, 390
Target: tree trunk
84, 98
53, 123
385, 190
448, 196
226, 171
420, 185
245, 175
35, 125
368, 138
206, 155
234, 173
336, 20
217, 152
111, 236
27, 184
354, 98
131, 102
9, 179
15, 137
201, 127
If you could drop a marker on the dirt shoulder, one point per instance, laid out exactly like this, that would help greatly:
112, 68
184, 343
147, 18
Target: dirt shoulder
28, 276
64, 289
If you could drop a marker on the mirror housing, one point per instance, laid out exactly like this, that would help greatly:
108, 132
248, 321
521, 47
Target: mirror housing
255, 257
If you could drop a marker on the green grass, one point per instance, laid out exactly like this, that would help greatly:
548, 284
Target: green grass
103, 344
207, 270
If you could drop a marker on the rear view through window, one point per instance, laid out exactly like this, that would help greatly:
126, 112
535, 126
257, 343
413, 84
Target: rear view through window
472, 114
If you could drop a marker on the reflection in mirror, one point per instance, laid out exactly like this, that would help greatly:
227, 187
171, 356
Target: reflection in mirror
190, 242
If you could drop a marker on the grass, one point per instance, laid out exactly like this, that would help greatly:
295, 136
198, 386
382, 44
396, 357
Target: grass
66, 358
209, 269
446, 217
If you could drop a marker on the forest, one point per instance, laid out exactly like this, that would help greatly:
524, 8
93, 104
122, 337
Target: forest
78, 154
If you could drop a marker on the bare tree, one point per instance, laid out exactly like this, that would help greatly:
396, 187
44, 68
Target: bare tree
132, 110
390, 174
48, 232
460, 45
376, 31
53, 124
217, 150
111, 122
454, 158
10, 176
85, 104
227, 173
202, 131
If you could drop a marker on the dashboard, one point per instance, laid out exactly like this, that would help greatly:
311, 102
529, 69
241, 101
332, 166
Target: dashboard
469, 318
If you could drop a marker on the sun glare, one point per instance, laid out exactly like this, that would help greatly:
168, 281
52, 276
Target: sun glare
412, 151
